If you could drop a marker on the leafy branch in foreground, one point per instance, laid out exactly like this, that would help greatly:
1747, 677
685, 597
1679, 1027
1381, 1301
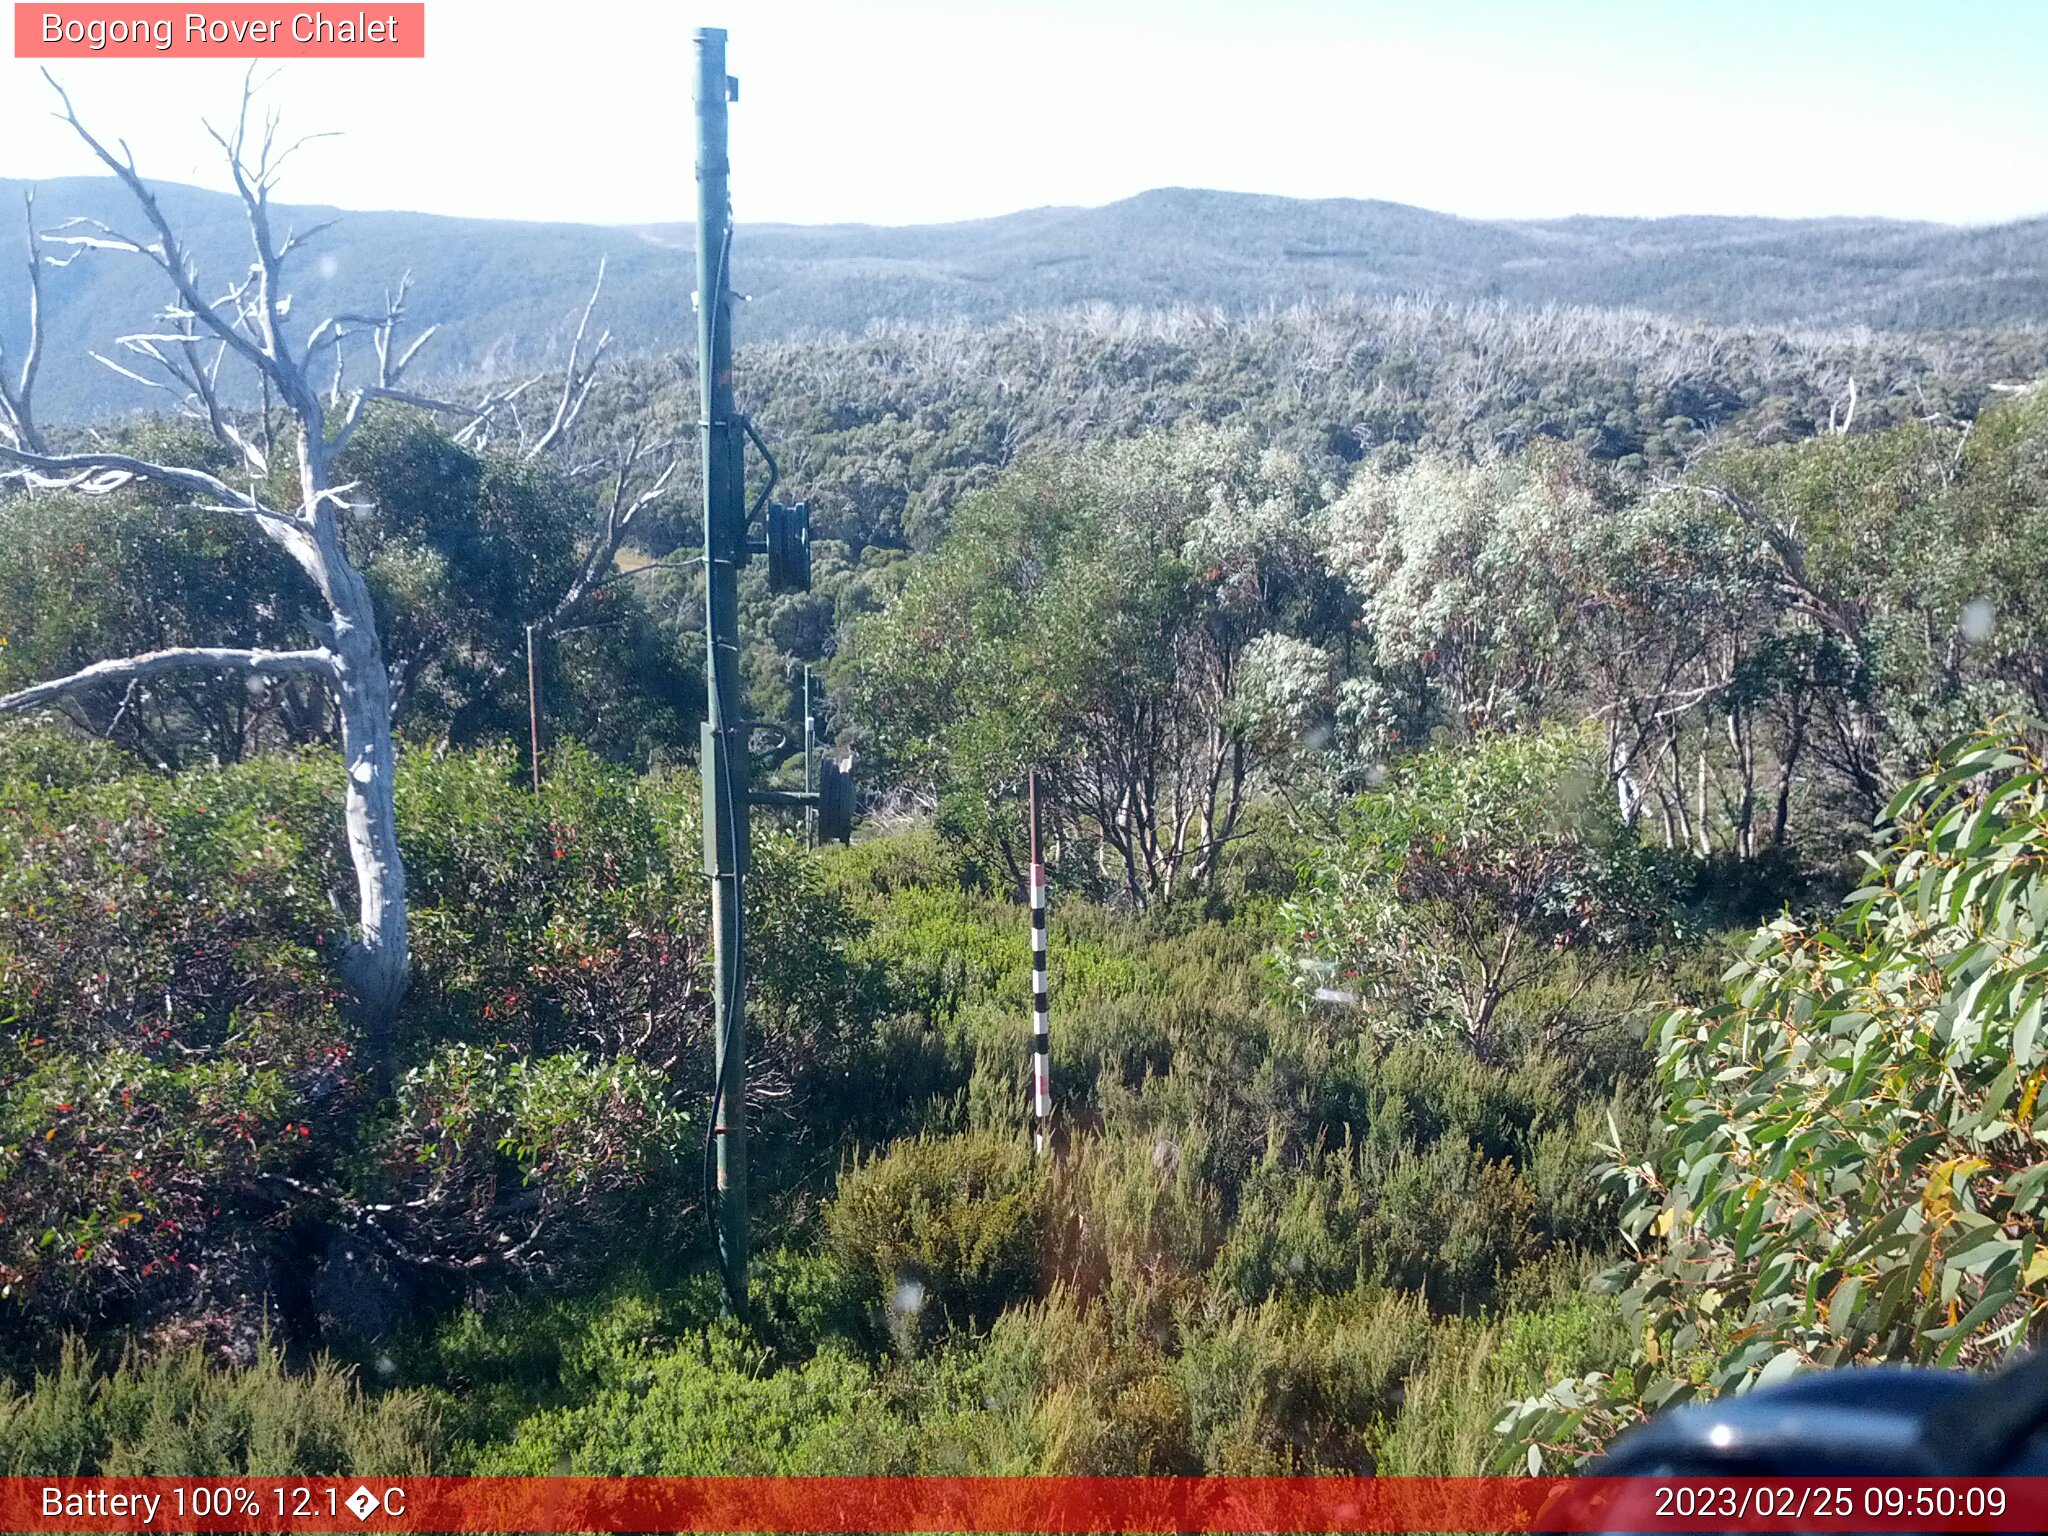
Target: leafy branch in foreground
1853, 1170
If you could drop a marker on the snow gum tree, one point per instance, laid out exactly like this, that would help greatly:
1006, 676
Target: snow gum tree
282, 480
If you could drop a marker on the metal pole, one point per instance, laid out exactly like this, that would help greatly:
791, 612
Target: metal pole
533, 708
722, 759
810, 760
1041, 1022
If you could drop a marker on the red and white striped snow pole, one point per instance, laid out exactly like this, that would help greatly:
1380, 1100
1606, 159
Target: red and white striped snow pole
1041, 1023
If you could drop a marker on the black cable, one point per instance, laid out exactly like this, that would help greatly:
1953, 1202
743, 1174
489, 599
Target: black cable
713, 1198
711, 660
774, 475
734, 989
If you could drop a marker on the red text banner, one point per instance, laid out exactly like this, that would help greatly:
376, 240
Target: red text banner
229, 31
1013, 1504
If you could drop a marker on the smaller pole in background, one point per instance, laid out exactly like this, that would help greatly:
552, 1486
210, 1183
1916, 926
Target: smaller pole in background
810, 758
533, 707
1041, 1024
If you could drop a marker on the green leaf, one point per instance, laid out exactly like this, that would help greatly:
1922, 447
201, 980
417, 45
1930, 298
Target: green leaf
1993, 1302
1784, 1364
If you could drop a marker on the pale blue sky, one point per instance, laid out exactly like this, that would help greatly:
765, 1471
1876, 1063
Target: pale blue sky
898, 111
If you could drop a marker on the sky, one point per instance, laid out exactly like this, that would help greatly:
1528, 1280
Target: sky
917, 111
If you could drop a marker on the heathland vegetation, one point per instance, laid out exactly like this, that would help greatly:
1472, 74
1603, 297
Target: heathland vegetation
1546, 838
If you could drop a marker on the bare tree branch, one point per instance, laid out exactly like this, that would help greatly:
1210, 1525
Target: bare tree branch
254, 184
576, 380
125, 372
96, 474
624, 505
196, 378
293, 239
384, 332
651, 568
132, 669
168, 254
17, 400
477, 433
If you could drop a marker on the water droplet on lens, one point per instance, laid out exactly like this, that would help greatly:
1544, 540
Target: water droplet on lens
909, 1297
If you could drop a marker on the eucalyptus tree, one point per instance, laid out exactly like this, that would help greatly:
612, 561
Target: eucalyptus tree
1099, 621
1848, 1170
1469, 576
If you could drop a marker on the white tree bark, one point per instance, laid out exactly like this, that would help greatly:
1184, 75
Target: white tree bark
131, 669
17, 398
245, 326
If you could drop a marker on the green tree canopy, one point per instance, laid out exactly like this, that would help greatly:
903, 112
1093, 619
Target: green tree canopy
1470, 877
1090, 619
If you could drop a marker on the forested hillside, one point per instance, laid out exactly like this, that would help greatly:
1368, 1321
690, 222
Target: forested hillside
887, 434
1430, 699
506, 291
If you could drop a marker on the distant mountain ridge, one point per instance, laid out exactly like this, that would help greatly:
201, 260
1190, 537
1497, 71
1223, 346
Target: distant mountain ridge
504, 292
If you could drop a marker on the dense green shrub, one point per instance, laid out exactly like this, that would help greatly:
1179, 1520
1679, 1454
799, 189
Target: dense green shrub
1445, 1426
179, 1416
500, 1154
712, 1408
185, 1135
1455, 886
83, 578
1139, 1215
1444, 1220
172, 1030
1288, 1388
948, 1230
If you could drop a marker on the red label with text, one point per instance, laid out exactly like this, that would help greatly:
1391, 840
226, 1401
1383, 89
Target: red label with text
240, 31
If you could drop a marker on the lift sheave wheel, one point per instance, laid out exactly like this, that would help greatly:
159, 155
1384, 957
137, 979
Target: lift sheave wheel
789, 547
835, 800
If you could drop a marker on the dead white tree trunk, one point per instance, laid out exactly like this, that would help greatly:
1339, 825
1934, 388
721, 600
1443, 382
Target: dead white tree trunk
245, 324
17, 399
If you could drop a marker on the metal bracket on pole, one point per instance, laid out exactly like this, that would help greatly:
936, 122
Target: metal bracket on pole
829, 807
